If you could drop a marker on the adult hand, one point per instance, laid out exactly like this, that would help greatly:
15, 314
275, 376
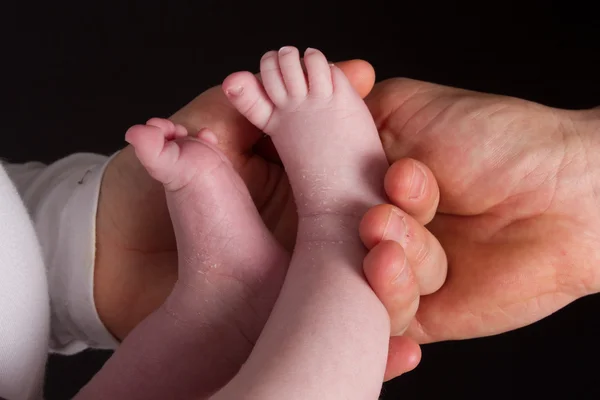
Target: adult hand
136, 250
136, 263
518, 214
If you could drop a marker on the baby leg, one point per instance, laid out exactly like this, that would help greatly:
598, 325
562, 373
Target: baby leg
328, 333
230, 272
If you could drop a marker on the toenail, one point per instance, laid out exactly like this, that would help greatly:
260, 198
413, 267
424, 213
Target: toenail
268, 54
285, 50
234, 91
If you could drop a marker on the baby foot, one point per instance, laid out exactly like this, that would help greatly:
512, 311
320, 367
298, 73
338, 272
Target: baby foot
230, 266
318, 123
328, 333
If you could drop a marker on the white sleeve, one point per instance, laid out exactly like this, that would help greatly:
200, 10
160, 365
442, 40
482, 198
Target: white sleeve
62, 200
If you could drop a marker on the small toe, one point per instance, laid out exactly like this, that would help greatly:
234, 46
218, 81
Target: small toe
292, 72
318, 71
272, 78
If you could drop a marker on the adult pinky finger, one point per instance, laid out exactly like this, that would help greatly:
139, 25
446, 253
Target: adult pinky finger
388, 272
404, 356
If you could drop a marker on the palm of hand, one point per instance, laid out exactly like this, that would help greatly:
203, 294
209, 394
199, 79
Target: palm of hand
516, 217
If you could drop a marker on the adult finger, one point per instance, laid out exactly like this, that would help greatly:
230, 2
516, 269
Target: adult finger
411, 186
388, 272
424, 253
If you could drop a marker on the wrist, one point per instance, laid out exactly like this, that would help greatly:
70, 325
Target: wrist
585, 126
581, 132
111, 299
132, 275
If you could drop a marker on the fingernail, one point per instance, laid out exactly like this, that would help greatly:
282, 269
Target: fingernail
396, 227
417, 184
234, 91
309, 50
285, 50
402, 271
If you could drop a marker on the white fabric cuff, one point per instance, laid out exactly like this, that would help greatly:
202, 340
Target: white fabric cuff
76, 257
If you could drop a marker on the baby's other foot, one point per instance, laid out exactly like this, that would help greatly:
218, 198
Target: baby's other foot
158, 145
230, 266
321, 128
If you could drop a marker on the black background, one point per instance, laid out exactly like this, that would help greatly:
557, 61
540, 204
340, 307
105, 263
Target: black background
77, 75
